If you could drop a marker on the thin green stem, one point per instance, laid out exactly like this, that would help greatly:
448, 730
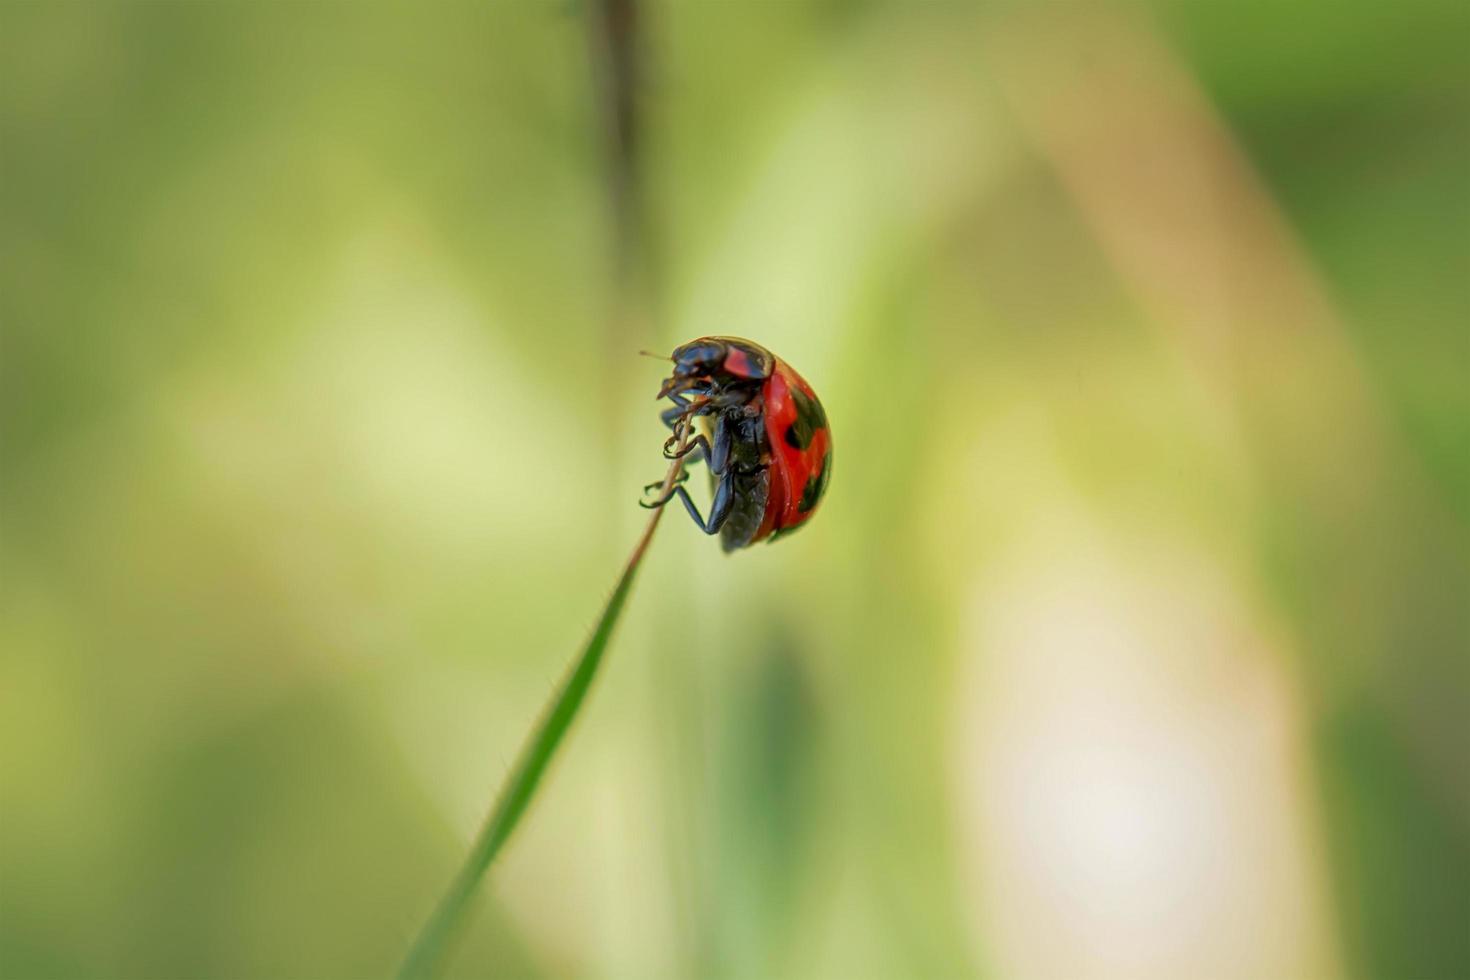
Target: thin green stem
433, 941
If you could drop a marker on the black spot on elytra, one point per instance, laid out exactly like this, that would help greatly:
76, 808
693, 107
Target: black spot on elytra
809, 420
815, 486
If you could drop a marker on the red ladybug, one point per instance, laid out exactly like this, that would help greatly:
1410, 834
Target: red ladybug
768, 446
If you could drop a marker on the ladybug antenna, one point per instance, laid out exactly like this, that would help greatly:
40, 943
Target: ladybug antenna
656, 357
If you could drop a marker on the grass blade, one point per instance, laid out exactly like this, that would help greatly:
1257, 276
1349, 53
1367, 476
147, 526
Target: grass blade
429, 948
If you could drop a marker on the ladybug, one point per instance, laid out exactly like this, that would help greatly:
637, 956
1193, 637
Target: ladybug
766, 439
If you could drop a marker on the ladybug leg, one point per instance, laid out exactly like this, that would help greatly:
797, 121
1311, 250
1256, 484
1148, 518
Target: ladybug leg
719, 510
724, 502
682, 407
717, 455
707, 404
658, 483
695, 449
671, 416
679, 413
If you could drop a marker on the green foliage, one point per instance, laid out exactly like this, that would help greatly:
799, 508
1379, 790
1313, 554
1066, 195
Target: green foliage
1142, 333
520, 786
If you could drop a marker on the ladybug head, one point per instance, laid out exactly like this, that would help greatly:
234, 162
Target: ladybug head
718, 360
698, 358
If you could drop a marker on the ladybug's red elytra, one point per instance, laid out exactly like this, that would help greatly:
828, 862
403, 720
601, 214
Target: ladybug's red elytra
766, 439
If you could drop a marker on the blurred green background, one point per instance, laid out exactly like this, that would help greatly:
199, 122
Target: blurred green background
1130, 640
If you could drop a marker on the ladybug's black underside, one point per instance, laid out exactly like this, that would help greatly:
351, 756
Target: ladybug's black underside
746, 471
748, 510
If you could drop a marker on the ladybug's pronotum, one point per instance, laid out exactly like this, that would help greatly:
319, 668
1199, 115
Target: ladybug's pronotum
766, 439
